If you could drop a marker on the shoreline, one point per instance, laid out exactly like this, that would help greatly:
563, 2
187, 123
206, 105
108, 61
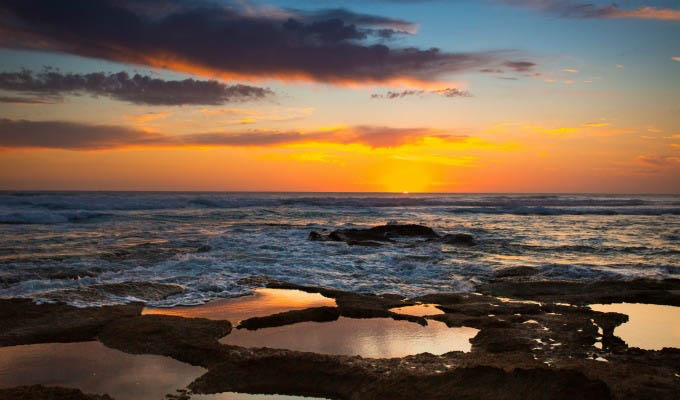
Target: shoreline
537, 333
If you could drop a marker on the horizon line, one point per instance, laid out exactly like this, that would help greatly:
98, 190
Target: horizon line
3, 191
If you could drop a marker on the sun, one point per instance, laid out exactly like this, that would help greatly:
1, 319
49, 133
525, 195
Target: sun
405, 179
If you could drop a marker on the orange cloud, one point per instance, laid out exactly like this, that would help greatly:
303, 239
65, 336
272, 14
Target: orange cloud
551, 131
249, 116
595, 124
656, 161
78, 136
147, 117
648, 13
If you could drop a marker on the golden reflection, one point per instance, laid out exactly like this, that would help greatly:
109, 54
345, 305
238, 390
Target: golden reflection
372, 338
419, 310
94, 368
264, 302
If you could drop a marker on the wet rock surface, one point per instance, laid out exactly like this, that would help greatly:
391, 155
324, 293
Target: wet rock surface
525, 349
663, 292
378, 235
356, 378
39, 392
191, 340
24, 322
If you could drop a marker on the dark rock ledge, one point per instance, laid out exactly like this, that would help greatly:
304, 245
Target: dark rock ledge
378, 235
39, 392
514, 356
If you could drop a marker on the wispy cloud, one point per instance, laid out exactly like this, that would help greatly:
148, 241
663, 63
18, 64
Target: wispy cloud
599, 129
50, 85
520, 66
658, 161
250, 116
559, 131
448, 92
579, 9
24, 134
29, 101
147, 117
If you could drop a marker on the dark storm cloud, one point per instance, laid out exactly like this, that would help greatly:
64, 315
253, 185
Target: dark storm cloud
138, 89
60, 135
448, 92
228, 41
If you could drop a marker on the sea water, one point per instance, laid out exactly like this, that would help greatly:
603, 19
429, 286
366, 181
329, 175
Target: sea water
206, 242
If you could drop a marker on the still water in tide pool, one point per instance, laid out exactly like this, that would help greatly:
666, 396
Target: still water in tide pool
649, 326
372, 338
95, 368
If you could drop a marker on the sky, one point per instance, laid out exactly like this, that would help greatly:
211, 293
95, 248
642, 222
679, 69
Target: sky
523, 96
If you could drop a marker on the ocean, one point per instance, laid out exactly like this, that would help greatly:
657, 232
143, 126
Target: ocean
206, 242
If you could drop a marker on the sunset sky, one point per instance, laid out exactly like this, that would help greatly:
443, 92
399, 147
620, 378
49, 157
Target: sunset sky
363, 95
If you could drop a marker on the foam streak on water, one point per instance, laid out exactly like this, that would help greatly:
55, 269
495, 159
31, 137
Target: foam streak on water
207, 241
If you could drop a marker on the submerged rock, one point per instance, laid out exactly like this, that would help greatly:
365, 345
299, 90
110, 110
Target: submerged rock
204, 249
459, 239
13, 276
257, 280
513, 272
145, 291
